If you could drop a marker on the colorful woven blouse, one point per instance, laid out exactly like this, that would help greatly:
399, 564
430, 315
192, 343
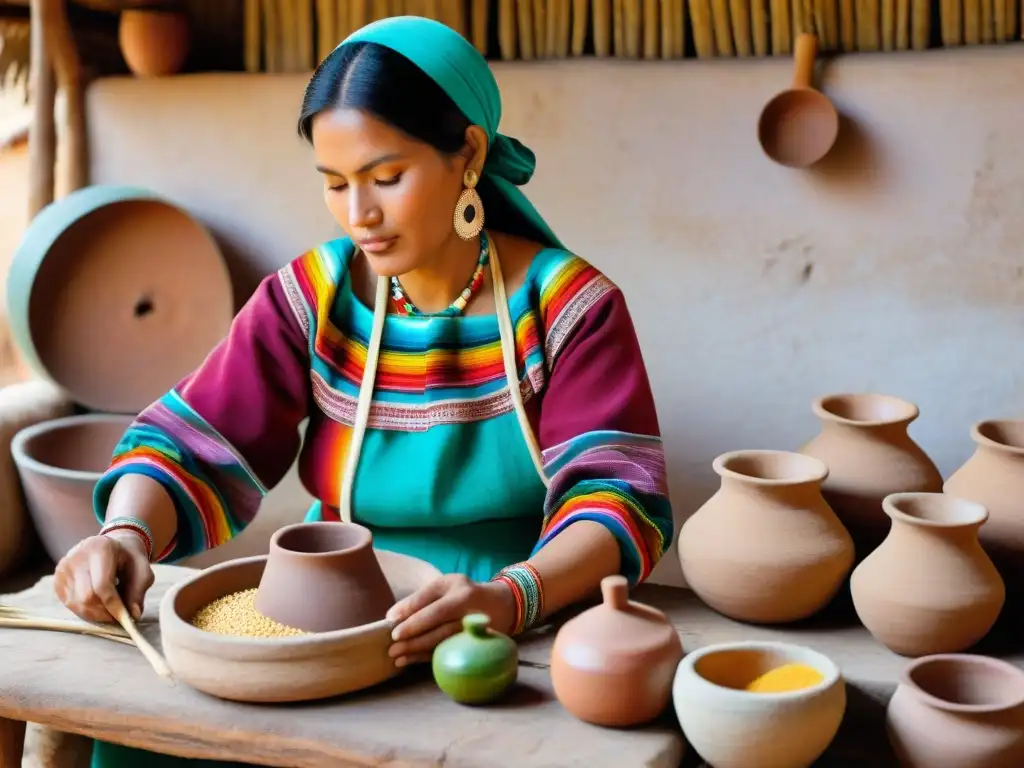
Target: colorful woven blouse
444, 474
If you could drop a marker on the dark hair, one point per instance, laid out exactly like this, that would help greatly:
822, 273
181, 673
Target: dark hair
387, 85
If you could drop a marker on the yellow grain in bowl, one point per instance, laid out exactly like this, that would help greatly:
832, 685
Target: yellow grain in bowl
785, 679
236, 615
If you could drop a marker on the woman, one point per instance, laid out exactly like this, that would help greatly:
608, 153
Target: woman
525, 497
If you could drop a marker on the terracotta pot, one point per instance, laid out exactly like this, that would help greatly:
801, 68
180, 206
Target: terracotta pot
59, 463
114, 294
613, 664
154, 42
730, 727
278, 669
994, 477
322, 577
864, 442
958, 711
930, 587
766, 548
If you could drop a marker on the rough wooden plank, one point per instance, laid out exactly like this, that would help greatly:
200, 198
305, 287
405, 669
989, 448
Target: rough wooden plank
77, 684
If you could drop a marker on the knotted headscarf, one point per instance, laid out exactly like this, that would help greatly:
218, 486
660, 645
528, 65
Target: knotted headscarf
448, 59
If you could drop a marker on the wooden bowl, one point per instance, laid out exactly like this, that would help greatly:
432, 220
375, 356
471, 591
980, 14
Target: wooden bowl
284, 669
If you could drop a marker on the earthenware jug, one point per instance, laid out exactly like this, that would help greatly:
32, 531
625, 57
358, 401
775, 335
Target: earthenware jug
476, 665
869, 453
929, 588
766, 548
994, 477
958, 711
613, 664
322, 577
731, 727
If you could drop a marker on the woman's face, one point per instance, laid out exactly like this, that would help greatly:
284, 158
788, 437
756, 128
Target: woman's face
393, 195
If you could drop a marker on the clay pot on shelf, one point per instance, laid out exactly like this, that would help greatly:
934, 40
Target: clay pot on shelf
323, 577
731, 727
154, 41
869, 453
958, 711
930, 587
278, 669
994, 477
477, 665
59, 463
613, 664
766, 548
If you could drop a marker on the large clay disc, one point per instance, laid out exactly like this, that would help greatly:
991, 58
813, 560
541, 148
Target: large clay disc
114, 294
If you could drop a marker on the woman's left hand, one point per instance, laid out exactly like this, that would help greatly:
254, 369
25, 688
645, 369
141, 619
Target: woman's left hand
435, 612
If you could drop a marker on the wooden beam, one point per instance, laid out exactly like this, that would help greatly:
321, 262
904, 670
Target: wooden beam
70, 79
42, 137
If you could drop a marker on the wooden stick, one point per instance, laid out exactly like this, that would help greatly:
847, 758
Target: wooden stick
999, 20
867, 25
888, 25
651, 29
59, 625
972, 22
524, 9
506, 29
722, 27
602, 28
580, 25
826, 22
920, 24
1011, 19
66, 64
951, 20
152, 655
739, 12
988, 32
633, 18
13, 612
478, 10
902, 25
253, 36
759, 23
703, 34
42, 132
848, 26
781, 27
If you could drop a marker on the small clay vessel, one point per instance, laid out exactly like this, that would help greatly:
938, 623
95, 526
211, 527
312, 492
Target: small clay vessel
766, 548
929, 588
994, 477
154, 41
958, 711
477, 665
322, 577
869, 453
613, 664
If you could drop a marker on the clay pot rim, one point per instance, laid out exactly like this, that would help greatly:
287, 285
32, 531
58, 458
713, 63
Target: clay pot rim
793, 652
819, 474
820, 409
988, 442
266, 648
23, 436
890, 504
364, 541
964, 659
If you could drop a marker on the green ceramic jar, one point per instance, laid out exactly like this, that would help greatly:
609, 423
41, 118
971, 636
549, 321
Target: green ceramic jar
477, 665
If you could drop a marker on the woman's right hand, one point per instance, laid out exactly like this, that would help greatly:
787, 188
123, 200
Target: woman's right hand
90, 576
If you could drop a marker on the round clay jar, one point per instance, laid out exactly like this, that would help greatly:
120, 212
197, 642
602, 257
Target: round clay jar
477, 665
613, 665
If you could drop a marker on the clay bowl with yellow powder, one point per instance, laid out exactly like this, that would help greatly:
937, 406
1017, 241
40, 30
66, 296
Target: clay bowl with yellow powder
769, 704
217, 642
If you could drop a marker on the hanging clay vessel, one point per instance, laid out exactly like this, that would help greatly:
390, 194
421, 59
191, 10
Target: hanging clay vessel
864, 442
613, 664
59, 463
766, 548
476, 665
154, 41
958, 711
929, 588
732, 727
994, 477
322, 577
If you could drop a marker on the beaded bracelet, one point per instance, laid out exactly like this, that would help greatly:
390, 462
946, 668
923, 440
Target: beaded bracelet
528, 590
134, 525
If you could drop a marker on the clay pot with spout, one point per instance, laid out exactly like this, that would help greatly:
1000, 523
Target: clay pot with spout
994, 477
766, 548
958, 711
929, 588
613, 665
869, 453
323, 577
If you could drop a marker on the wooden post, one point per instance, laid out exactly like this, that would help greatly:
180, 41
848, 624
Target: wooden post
42, 134
67, 65
12, 743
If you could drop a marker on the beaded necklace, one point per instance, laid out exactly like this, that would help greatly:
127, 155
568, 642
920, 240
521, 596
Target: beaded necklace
403, 306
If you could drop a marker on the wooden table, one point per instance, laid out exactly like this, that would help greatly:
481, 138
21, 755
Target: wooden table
107, 691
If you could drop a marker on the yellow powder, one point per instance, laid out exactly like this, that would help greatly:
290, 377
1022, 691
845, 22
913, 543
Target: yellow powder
788, 677
236, 615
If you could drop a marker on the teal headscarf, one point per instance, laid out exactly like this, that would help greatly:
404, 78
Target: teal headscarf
454, 64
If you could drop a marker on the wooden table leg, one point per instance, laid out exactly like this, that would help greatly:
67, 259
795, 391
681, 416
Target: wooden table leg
12, 742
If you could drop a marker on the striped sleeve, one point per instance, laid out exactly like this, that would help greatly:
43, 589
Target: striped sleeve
598, 427
229, 431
